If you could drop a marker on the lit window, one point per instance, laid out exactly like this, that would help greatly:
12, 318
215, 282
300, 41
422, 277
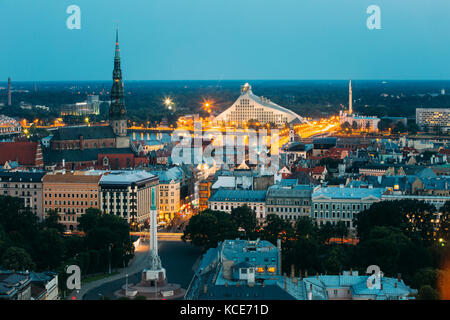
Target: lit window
260, 270
271, 269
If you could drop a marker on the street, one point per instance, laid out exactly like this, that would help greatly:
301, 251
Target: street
177, 258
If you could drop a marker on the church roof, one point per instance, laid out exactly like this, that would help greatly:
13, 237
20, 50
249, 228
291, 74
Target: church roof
55, 156
74, 133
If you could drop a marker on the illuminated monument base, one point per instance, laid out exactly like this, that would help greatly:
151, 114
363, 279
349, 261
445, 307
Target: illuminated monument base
153, 285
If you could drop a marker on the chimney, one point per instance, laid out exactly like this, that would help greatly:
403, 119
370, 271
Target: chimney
205, 288
395, 285
381, 286
285, 283
292, 271
399, 277
351, 271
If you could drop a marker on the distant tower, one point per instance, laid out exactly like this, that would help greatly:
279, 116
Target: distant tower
117, 111
350, 99
9, 91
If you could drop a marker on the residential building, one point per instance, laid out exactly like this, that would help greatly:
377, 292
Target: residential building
333, 204
14, 285
18, 285
44, 285
204, 192
70, 195
169, 191
25, 185
250, 270
128, 194
289, 202
226, 200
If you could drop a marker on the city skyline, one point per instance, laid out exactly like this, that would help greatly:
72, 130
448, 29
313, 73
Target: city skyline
169, 41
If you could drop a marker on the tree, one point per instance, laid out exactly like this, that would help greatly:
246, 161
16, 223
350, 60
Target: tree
354, 125
305, 228
384, 124
89, 220
245, 218
326, 232
17, 259
427, 292
346, 127
277, 228
49, 252
411, 216
399, 127
341, 229
209, 227
382, 247
51, 221
412, 128
444, 228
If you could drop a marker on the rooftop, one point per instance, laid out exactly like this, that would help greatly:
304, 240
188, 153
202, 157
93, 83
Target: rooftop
348, 193
126, 177
239, 195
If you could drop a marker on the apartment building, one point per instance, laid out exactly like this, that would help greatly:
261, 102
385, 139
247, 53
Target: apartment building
333, 204
128, 194
25, 185
70, 194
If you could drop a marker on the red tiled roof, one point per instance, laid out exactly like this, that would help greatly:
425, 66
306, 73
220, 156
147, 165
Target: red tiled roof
318, 170
25, 153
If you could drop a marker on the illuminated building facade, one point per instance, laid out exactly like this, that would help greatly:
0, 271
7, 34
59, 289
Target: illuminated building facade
433, 118
90, 106
251, 107
128, 194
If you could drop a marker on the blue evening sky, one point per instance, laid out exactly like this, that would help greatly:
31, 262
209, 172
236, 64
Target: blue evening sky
225, 40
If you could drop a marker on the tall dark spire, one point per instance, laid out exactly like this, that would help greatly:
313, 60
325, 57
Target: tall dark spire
117, 109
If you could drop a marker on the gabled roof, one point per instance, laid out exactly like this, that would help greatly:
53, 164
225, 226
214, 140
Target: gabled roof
55, 156
74, 133
22, 152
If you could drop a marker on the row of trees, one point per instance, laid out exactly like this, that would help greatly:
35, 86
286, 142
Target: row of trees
402, 237
28, 244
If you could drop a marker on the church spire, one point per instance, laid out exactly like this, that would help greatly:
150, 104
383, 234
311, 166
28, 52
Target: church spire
117, 110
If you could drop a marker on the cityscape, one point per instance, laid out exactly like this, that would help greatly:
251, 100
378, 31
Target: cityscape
223, 189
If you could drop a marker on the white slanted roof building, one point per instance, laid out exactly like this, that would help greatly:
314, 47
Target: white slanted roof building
251, 107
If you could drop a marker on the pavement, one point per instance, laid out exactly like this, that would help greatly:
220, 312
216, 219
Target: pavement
177, 257
136, 265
